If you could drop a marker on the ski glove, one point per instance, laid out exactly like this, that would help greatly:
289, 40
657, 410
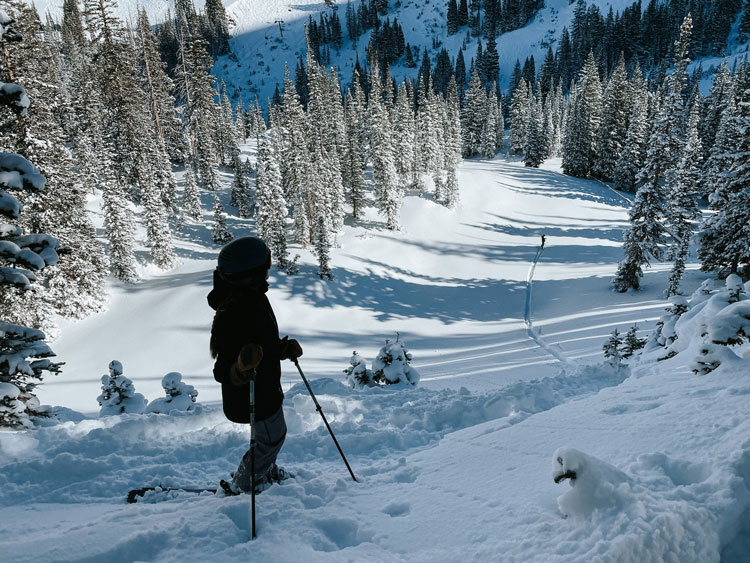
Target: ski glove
290, 349
248, 359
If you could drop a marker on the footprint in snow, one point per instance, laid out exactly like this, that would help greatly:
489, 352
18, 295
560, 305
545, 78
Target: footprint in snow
397, 509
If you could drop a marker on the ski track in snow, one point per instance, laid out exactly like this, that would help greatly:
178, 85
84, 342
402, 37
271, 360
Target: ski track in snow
532, 332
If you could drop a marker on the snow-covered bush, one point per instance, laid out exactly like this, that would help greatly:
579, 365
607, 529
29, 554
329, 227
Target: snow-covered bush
357, 374
632, 343
392, 365
118, 393
612, 349
180, 396
595, 484
618, 347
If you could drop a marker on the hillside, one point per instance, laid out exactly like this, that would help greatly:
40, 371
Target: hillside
458, 468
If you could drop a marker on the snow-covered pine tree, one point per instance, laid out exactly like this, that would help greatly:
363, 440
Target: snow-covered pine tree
179, 396
357, 374
404, 132
519, 117
323, 247
23, 352
474, 115
714, 107
392, 365
612, 349
75, 286
648, 234
295, 157
219, 232
240, 188
683, 194
614, 124
352, 164
191, 197
724, 245
159, 88
630, 161
272, 209
452, 145
158, 235
388, 194
127, 125
583, 122
118, 394
226, 134
202, 113
632, 342
535, 148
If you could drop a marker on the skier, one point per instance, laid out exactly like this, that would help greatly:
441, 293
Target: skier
245, 337
544, 238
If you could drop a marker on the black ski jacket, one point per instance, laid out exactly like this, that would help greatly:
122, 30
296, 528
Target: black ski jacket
244, 316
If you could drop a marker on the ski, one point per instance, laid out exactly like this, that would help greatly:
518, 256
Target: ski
135, 494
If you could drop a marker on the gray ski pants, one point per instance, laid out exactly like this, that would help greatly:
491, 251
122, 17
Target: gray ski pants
269, 437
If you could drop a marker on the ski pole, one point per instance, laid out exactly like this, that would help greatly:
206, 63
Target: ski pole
320, 410
251, 381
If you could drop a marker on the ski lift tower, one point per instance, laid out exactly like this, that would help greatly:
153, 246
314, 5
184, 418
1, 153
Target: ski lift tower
281, 29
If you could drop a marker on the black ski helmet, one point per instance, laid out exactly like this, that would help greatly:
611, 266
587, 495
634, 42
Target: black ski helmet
243, 259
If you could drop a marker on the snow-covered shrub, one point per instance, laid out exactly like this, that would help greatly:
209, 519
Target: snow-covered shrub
632, 343
180, 396
618, 347
595, 484
118, 393
357, 374
392, 365
612, 349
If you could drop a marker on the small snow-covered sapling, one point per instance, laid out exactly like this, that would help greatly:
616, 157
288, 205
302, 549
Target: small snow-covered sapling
180, 395
118, 393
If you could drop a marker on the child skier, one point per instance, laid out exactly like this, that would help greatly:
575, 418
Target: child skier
245, 336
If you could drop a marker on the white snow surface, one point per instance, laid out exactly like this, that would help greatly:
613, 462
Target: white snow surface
456, 469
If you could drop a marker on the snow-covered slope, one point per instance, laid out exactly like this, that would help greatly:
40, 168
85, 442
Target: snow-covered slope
456, 469
262, 51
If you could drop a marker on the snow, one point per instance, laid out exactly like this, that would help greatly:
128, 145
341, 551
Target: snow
457, 468
17, 173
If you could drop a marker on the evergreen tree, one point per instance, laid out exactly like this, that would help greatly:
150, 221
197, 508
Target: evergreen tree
724, 238
583, 122
75, 286
474, 115
323, 248
519, 117
352, 164
388, 194
240, 188
630, 161
272, 208
535, 149
219, 232
683, 198
613, 131
191, 199
463, 13
452, 17
159, 87
23, 352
